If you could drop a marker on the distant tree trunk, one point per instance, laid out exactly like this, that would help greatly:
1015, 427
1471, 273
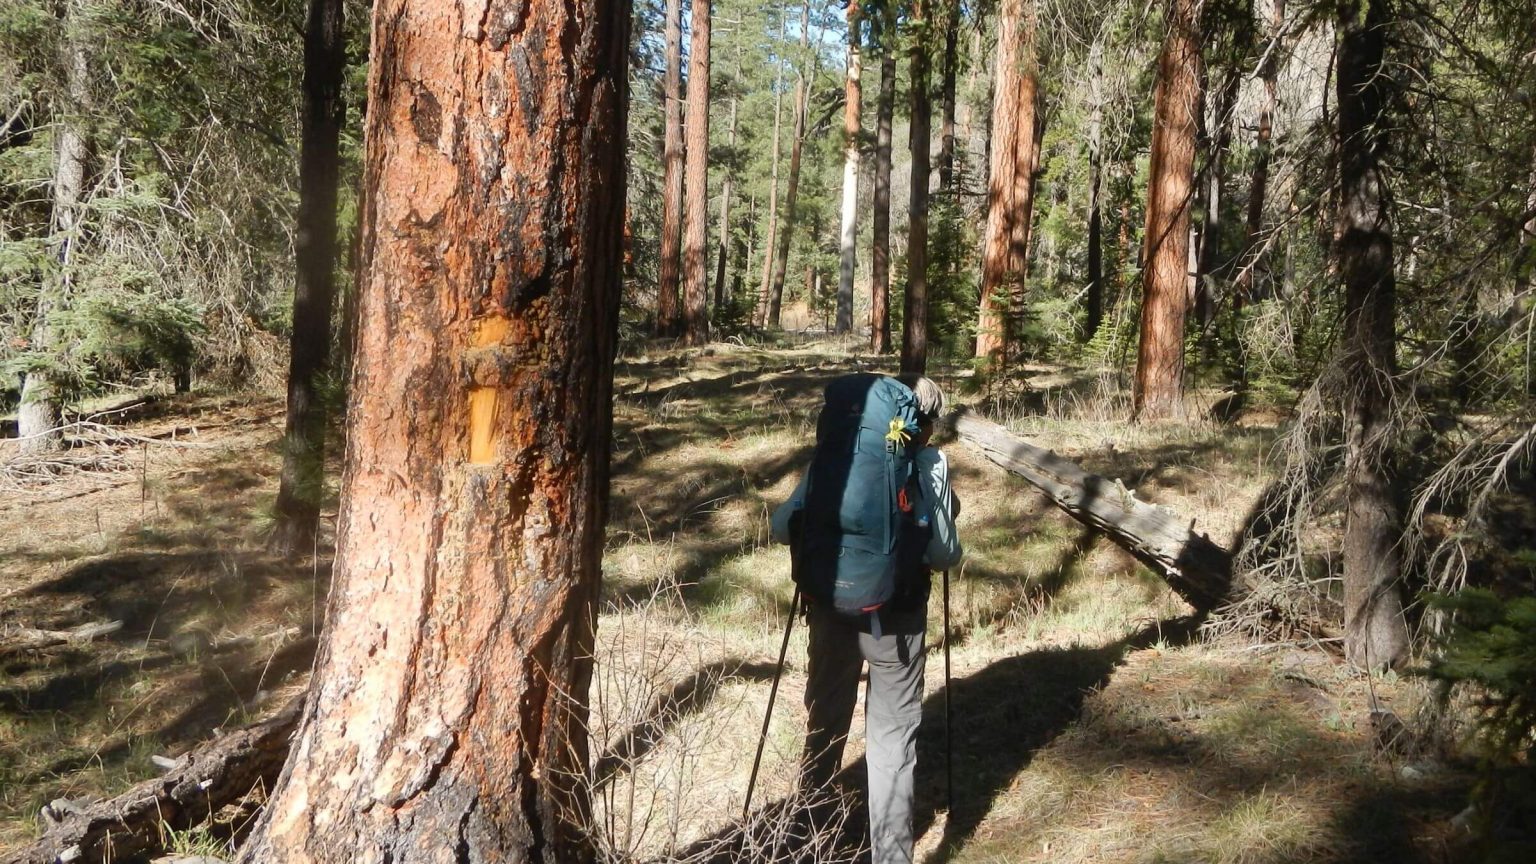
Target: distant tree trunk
1095, 298
947, 75
1525, 275
914, 337
696, 181
725, 211
40, 412
880, 254
1010, 192
1209, 250
1259, 187
302, 482
792, 191
669, 318
1375, 633
1159, 382
760, 317
848, 233
447, 712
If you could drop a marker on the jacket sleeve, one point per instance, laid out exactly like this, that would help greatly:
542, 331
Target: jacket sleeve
944, 550
779, 522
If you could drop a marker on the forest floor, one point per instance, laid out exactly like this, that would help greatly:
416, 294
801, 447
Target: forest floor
1089, 724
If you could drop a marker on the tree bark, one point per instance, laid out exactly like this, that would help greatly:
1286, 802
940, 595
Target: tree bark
760, 317
41, 409
1010, 185
447, 707
848, 232
302, 481
696, 181
669, 317
949, 71
1095, 294
792, 190
880, 228
1159, 384
1375, 633
1258, 188
914, 336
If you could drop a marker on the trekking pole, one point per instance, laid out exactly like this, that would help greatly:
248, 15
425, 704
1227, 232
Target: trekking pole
949, 727
773, 693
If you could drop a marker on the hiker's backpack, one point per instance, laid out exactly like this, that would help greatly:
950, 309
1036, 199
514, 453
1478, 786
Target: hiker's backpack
858, 494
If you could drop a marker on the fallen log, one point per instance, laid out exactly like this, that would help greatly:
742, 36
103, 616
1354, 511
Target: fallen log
17, 638
1196, 568
222, 772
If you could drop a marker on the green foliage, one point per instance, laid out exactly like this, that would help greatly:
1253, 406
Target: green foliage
953, 280
1491, 647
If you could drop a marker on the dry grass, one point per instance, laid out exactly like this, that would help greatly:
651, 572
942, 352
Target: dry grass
1087, 729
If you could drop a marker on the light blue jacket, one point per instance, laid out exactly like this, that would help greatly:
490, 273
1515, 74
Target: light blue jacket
944, 549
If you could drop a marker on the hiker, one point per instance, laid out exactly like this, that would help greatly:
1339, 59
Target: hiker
890, 638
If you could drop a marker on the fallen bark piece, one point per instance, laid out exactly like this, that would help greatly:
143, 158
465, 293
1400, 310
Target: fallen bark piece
222, 772
32, 639
1196, 568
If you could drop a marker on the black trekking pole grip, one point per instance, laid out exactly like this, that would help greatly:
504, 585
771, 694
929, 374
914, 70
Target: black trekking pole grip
949, 727
773, 693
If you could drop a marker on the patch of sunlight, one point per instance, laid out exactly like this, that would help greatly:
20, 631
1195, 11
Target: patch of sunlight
1263, 828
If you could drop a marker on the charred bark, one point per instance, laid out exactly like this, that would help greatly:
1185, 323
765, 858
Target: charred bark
948, 72
302, 482
447, 704
880, 226
914, 336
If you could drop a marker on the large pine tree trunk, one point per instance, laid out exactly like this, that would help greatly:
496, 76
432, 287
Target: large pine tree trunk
669, 318
696, 181
848, 230
1258, 188
880, 226
760, 315
1010, 186
314, 294
792, 189
1375, 634
40, 412
446, 715
914, 335
949, 71
1159, 384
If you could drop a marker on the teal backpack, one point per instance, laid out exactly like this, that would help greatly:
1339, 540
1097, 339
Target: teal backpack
858, 495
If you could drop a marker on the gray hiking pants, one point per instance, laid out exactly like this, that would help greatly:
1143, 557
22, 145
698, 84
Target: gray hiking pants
893, 707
